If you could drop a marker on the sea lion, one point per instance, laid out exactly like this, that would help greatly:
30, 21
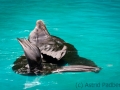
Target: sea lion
45, 54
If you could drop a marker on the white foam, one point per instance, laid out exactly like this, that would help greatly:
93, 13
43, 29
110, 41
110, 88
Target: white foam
109, 65
26, 30
11, 80
6, 79
14, 39
56, 29
33, 83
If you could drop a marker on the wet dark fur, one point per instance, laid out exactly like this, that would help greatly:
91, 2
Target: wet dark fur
50, 64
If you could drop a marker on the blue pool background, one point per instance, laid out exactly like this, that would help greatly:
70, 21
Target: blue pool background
92, 26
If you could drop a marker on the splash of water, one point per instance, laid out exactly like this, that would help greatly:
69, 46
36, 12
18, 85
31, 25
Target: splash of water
30, 84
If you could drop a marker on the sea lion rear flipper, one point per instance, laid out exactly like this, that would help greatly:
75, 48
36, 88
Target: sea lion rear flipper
77, 68
32, 53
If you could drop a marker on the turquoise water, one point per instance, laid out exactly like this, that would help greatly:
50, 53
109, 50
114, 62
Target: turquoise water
92, 26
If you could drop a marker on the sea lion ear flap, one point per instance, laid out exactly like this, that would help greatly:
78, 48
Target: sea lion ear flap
39, 34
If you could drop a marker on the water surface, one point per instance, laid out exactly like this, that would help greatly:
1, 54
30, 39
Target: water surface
93, 27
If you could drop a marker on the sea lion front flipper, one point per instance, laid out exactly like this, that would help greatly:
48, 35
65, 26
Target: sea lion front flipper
32, 54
